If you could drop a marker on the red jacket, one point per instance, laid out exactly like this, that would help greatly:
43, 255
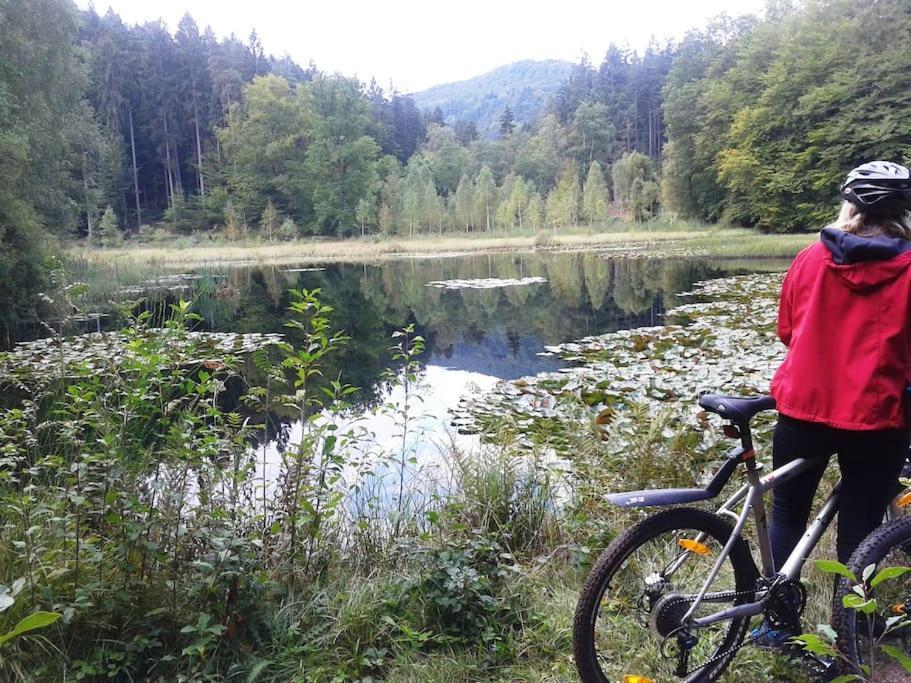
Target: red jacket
845, 316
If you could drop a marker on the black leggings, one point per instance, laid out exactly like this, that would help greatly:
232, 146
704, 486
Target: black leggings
870, 464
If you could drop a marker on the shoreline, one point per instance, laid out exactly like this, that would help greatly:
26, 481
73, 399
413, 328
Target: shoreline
708, 242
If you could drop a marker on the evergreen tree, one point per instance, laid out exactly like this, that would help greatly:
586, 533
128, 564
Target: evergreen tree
436, 117
108, 233
507, 122
591, 134
466, 132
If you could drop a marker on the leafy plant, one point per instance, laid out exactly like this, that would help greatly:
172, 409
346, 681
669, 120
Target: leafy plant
32, 622
861, 600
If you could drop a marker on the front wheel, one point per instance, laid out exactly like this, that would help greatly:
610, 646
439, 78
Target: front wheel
866, 640
628, 619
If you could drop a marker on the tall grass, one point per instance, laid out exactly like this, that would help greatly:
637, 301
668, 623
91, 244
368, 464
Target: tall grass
710, 239
136, 506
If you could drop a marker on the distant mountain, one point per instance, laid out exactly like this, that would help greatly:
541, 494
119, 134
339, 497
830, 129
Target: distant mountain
525, 86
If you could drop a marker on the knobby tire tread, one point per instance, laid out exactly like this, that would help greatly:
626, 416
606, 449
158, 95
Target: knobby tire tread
871, 550
621, 548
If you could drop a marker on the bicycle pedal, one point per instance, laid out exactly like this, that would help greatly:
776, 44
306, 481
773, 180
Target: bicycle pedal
822, 668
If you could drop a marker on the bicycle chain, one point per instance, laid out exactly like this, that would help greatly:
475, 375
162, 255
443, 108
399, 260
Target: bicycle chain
743, 643
724, 596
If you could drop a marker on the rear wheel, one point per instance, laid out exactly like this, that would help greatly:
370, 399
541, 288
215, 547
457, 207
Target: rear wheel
628, 619
865, 639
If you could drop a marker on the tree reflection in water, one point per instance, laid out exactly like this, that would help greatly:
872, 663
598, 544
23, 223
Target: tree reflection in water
473, 336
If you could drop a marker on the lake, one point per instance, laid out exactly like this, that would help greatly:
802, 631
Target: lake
484, 318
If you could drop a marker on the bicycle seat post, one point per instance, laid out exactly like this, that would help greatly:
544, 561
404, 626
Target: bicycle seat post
746, 441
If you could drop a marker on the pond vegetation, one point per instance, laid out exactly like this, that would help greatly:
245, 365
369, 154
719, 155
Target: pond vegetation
137, 505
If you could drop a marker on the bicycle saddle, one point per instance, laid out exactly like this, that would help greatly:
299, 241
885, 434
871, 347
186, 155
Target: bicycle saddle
737, 409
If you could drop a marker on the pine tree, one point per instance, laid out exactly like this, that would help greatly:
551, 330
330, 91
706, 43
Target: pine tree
507, 122
108, 233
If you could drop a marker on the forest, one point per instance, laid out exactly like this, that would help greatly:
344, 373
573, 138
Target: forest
110, 131
198, 491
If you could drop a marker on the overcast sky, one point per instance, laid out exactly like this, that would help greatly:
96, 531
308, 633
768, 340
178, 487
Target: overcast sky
415, 44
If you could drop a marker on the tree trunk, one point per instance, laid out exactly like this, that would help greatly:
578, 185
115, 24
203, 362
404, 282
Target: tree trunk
651, 134
167, 152
202, 184
135, 173
178, 184
88, 203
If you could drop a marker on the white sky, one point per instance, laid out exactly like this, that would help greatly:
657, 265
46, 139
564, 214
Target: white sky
415, 44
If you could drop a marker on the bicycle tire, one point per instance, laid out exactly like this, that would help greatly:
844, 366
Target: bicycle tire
879, 546
621, 550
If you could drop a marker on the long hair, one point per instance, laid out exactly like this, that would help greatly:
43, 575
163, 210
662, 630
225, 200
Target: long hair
851, 219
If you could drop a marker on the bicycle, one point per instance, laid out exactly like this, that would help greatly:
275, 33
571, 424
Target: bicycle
677, 590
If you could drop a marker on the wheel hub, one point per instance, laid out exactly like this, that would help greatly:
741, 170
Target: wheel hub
667, 614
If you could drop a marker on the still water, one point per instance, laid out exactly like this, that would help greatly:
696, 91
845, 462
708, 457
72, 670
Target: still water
484, 318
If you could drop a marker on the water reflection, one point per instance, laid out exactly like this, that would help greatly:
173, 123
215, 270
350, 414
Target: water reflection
495, 332
473, 336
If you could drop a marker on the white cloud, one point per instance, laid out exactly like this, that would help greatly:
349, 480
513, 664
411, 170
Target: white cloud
419, 44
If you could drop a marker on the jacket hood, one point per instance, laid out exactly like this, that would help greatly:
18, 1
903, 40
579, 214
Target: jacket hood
865, 262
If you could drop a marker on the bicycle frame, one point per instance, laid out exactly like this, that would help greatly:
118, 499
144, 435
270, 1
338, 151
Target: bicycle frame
751, 495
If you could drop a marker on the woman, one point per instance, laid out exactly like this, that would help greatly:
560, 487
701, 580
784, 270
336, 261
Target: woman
845, 316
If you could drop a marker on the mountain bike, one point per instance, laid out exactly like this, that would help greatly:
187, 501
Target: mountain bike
675, 593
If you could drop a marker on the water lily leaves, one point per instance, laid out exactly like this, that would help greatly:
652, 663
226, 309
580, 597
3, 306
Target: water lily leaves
36, 362
728, 344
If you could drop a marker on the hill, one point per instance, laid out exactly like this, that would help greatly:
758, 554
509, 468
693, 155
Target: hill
525, 86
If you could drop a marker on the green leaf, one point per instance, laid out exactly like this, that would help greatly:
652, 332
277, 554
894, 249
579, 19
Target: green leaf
30, 623
887, 574
833, 567
257, 669
855, 602
898, 655
815, 644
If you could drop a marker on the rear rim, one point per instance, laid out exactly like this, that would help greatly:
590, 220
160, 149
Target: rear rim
636, 622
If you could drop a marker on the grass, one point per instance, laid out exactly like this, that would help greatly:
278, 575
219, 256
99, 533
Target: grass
480, 585
700, 239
